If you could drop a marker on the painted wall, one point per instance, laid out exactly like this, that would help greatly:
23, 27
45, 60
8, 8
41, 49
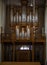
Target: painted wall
0, 26
3, 13
0, 14
2, 19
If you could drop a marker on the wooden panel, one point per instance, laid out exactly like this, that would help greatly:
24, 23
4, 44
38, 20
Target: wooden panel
20, 63
22, 56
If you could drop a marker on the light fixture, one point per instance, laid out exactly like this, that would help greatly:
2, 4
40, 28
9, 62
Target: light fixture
24, 48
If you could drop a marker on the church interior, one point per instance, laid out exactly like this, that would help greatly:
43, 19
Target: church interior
23, 32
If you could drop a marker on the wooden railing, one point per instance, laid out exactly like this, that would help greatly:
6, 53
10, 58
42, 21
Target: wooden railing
12, 37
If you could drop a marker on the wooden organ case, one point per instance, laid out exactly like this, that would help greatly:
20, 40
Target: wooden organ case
24, 37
